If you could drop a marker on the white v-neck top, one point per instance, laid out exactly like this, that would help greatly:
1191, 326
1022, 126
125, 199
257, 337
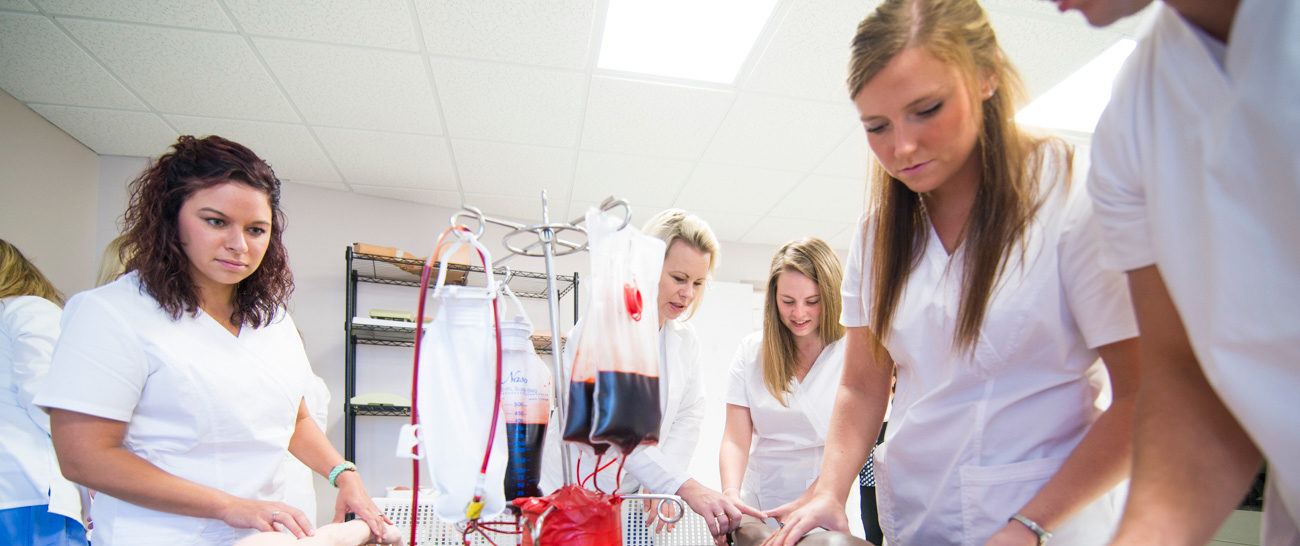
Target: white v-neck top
974, 436
199, 402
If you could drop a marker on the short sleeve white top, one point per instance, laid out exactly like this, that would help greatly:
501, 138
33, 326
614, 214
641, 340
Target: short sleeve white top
29, 472
788, 440
974, 437
199, 403
1196, 169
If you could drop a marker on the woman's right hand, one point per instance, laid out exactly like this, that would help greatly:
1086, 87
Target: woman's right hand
264, 516
805, 514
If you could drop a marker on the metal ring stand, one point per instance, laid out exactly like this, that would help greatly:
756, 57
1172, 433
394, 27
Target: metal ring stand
548, 237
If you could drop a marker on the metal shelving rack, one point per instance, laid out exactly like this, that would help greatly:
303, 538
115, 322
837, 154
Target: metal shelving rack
376, 269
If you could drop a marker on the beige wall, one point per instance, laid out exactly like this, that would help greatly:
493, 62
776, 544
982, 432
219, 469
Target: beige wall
48, 196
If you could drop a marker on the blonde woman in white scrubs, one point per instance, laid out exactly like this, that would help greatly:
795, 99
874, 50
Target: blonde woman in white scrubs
974, 273
782, 383
176, 389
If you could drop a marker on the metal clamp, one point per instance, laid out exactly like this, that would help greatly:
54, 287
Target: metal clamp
681, 505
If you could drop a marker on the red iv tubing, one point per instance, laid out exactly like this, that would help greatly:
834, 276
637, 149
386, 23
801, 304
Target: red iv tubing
476, 505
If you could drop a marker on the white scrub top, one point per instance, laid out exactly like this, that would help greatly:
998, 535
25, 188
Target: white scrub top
29, 471
786, 454
660, 468
199, 403
973, 438
1196, 168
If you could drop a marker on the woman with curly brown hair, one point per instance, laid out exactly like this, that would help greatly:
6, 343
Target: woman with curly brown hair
176, 389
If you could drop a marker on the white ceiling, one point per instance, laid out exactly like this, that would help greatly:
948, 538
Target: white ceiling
487, 102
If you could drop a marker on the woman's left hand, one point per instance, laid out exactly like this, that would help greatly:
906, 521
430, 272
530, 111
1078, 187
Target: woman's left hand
720, 513
1013, 534
353, 499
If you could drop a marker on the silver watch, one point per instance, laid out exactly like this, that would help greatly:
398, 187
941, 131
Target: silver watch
1043, 535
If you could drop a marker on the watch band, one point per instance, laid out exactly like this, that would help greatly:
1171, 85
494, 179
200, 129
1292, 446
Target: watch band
1043, 535
345, 466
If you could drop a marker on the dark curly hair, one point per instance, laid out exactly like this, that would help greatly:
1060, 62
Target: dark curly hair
152, 244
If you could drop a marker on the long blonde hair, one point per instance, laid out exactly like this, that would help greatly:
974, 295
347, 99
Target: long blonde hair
956, 32
672, 225
112, 264
20, 277
814, 259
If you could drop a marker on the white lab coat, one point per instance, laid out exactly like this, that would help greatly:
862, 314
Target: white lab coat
29, 472
789, 441
1196, 169
199, 403
660, 468
973, 438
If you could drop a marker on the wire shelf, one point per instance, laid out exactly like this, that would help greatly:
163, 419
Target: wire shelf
404, 336
376, 269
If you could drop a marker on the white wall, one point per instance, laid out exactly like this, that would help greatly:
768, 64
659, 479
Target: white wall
47, 196
323, 222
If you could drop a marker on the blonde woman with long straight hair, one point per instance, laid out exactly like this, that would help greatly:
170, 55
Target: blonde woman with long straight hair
975, 273
782, 383
37, 505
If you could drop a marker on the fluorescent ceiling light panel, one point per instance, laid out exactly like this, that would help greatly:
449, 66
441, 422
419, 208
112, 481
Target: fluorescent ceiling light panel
703, 40
1077, 102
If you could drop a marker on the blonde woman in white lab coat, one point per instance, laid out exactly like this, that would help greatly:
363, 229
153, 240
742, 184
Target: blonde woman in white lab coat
691, 256
176, 389
782, 383
975, 273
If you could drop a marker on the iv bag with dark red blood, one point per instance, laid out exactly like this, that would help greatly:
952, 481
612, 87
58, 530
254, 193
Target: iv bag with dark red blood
621, 332
582, 387
526, 406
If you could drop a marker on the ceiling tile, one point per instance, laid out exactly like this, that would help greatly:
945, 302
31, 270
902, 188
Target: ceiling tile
841, 241
518, 208
850, 159
449, 199
17, 5
737, 189
780, 133
290, 149
340, 86
771, 230
642, 181
202, 14
809, 52
824, 198
39, 63
640, 213
514, 169
726, 226
372, 158
112, 132
1128, 26
652, 118
556, 33
512, 103
159, 64
337, 186
1046, 51
374, 23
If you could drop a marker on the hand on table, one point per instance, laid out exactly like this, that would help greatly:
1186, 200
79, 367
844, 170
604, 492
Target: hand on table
265, 516
353, 499
806, 513
720, 513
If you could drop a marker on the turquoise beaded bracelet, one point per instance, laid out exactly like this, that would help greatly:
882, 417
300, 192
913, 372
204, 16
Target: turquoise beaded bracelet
341, 468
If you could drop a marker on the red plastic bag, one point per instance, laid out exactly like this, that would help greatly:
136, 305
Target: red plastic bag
580, 518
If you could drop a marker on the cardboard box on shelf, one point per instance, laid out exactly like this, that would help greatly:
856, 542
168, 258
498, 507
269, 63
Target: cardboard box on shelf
463, 256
